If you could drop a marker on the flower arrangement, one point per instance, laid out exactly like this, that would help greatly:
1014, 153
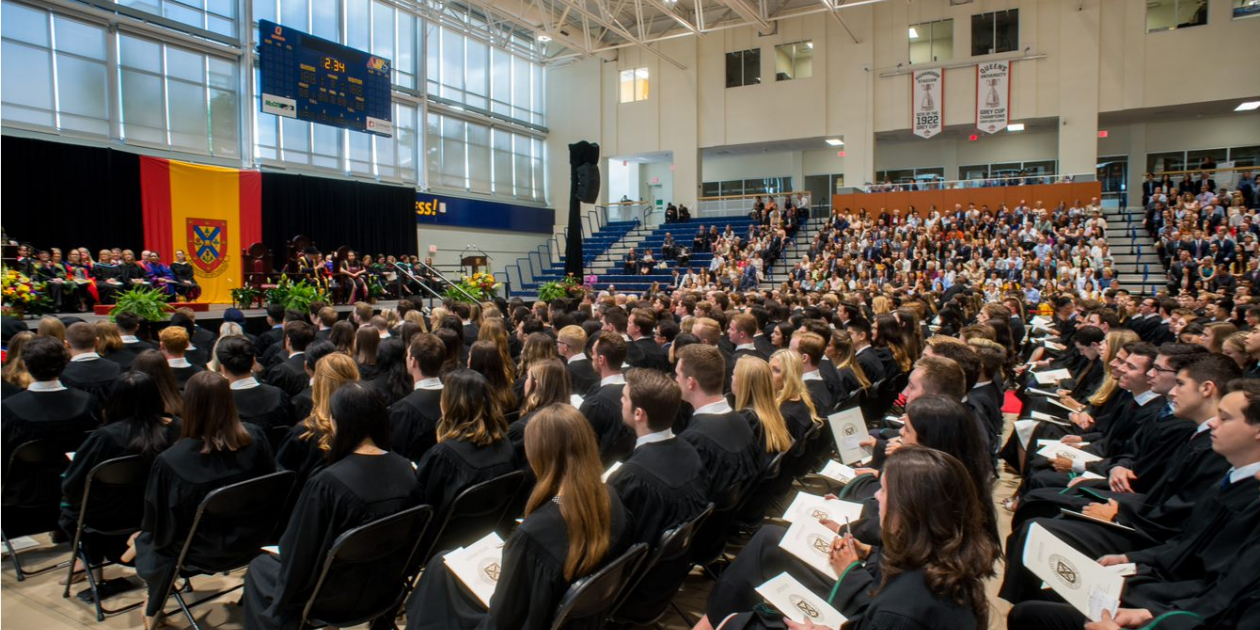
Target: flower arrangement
480, 285
22, 295
569, 287
295, 296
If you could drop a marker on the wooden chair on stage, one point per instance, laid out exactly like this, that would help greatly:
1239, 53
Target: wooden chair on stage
258, 272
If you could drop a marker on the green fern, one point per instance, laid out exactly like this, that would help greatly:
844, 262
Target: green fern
149, 304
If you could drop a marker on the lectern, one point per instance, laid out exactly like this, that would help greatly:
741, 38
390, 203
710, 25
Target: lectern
473, 262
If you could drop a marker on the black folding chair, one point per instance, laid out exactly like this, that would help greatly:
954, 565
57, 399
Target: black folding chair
753, 503
124, 478
385, 548
589, 600
667, 565
36, 457
475, 512
260, 502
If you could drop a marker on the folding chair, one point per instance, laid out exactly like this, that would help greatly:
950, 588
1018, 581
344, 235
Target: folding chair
667, 565
36, 457
589, 600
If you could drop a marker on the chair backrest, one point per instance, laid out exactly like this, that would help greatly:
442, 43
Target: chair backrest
253, 507
473, 512
36, 457
121, 480
591, 598
674, 544
381, 549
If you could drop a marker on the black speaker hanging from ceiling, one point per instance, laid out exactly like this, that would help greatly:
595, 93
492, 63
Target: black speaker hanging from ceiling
583, 188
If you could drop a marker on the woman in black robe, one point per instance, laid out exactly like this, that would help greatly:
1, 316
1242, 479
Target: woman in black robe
391, 381
135, 425
215, 450
547, 382
361, 484
574, 524
185, 278
472, 444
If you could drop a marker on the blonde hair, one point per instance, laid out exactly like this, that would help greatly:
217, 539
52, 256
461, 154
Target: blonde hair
227, 329
51, 327
754, 387
108, 339
331, 372
417, 318
793, 385
1115, 340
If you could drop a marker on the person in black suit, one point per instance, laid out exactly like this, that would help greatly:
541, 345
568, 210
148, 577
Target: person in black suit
414, 419
602, 407
262, 405
571, 345
173, 342
741, 331
50, 411
128, 327
860, 331
86, 371
290, 374
274, 334
644, 352
812, 348
463, 312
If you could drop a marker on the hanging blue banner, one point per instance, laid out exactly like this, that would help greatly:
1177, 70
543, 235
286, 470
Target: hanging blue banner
482, 215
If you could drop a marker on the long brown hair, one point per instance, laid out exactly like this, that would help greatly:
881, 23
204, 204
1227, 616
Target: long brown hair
331, 372
493, 330
561, 448
108, 339
468, 411
152, 362
950, 546
210, 414
14, 367
538, 347
551, 384
366, 341
484, 357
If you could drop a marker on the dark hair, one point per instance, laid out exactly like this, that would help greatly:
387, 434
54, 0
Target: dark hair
1086, 335
859, 324
358, 413
45, 357
236, 355
1141, 348
470, 411
949, 426
612, 347
617, 318
429, 353
127, 321
317, 350
705, 364
656, 394
300, 334
210, 414
1212, 368
81, 336
134, 399
152, 362
1250, 387
1182, 354
667, 329
342, 336
964, 356
391, 360
367, 340
484, 358
276, 313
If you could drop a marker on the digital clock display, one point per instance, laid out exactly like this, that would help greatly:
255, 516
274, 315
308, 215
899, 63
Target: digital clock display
332, 65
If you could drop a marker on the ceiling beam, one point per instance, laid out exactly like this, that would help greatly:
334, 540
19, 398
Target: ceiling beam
612, 25
663, 8
751, 14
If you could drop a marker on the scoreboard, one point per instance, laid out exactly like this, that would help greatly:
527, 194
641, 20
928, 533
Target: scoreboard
313, 79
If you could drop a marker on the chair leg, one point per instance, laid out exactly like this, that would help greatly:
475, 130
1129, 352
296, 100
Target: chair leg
686, 619
17, 564
187, 612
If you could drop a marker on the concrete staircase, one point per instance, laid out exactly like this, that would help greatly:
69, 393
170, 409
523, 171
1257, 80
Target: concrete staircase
1137, 265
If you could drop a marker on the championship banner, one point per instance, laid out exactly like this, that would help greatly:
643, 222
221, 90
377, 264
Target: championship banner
993, 96
208, 212
927, 102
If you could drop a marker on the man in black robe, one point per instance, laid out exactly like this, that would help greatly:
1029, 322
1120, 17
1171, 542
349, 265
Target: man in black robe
643, 351
304, 401
275, 332
571, 345
173, 342
811, 347
265, 406
414, 418
463, 312
290, 374
602, 407
128, 327
662, 484
721, 435
86, 371
860, 331
50, 411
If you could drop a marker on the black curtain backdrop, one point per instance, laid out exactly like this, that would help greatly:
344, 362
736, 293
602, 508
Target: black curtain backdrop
371, 218
66, 195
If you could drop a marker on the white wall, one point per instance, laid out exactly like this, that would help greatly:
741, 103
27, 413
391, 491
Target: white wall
503, 247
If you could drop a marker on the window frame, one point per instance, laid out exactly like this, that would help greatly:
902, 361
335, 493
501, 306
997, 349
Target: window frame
1176, 25
995, 39
743, 63
931, 40
794, 59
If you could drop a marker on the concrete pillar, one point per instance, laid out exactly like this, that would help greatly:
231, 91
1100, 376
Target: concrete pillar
1078, 87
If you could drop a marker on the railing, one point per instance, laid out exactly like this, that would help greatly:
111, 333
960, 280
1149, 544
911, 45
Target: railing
985, 182
738, 205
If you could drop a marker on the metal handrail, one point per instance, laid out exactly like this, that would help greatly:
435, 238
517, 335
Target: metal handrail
953, 184
448, 282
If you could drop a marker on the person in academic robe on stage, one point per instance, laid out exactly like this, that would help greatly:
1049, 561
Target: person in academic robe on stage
50, 411
602, 406
472, 444
133, 271
79, 272
546, 384
135, 424
173, 342
362, 482
53, 275
186, 287
571, 345
574, 524
305, 448
354, 274
159, 275
414, 418
264, 406
108, 275
931, 569
290, 374
722, 436
86, 371
215, 450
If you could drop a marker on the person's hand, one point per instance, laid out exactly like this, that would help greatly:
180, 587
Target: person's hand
892, 446
1133, 617
1121, 479
830, 524
843, 553
1071, 439
1113, 559
867, 442
866, 471
808, 625
1106, 623
1073, 483
1063, 393
1102, 511
1062, 464
1082, 419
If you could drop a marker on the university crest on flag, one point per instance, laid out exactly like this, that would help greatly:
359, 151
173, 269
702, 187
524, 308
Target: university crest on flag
207, 245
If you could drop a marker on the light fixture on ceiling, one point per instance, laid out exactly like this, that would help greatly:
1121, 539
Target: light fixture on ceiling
1015, 127
544, 38
1247, 106
913, 33
835, 142
809, 45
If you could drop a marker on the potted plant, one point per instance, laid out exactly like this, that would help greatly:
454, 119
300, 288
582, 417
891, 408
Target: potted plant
246, 297
148, 303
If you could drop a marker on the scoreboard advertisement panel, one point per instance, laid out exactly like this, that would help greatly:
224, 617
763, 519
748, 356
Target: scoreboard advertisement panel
313, 79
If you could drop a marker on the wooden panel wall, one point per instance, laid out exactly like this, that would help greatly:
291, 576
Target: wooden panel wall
1050, 195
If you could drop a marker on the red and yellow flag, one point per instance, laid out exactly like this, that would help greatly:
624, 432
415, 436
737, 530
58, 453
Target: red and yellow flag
208, 212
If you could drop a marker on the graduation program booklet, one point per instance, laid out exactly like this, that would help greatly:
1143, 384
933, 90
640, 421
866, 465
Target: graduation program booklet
810, 507
848, 428
838, 472
810, 541
1085, 517
1088, 586
1059, 449
798, 604
1050, 377
478, 566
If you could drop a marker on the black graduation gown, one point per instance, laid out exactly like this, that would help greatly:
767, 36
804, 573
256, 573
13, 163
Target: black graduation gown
264, 406
516, 435
414, 422
352, 492
764, 345
94, 376
904, 603
111, 507
644, 353
872, 367
303, 403
452, 466
182, 374
602, 409
63, 418
302, 456
182, 476
728, 448
273, 336
583, 376
820, 394
531, 581
128, 353
290, 375
986, 403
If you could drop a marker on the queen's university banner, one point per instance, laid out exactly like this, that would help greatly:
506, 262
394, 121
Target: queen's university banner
208, 212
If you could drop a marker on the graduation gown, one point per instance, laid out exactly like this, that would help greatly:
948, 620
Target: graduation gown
872, 367
728, 448
303, 403
182, 476
290, 374
128, 353
63, 418
583, 376
531, 581
414, 422
644, 353
264, 406
93, 376
452, 466
355, 491
182, 374
820, 394
602, 409
302, 456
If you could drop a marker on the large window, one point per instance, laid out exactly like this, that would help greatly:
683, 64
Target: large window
756, 186
60, 87
1190, 160
743, 67
216, 16
794, 61
1246, 8
932, 41
473, 157
1167, 15
634, 85
996, 32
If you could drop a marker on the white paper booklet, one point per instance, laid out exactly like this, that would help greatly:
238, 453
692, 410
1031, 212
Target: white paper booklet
848, 428
810, 507
1050, 377
1059, 449
611, 469
575, 400
1045, 417
810, 541
798, 604
478, 566
1042, 443
1088, 586
838, 472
